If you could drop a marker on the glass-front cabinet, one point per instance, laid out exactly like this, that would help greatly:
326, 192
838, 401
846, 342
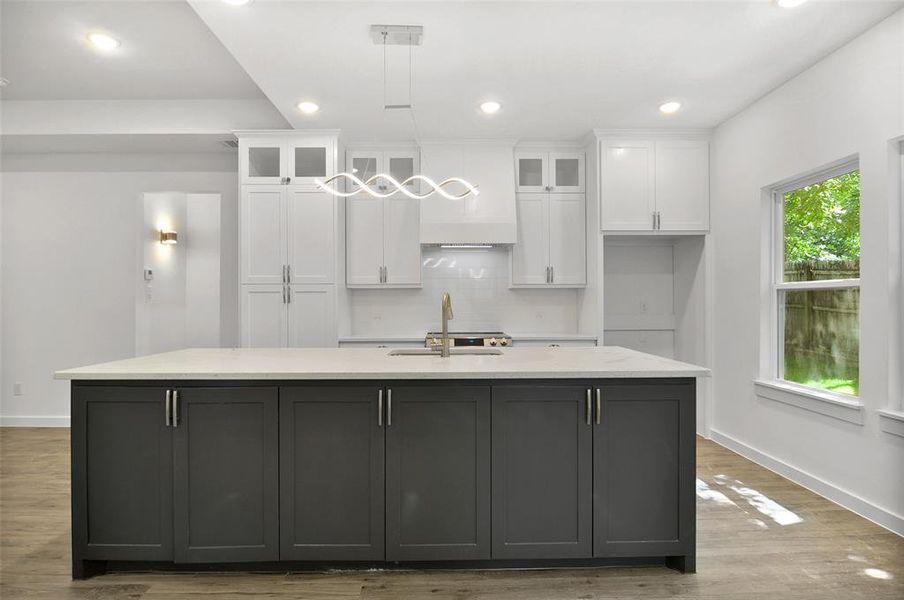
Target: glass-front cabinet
273, 160
559, 171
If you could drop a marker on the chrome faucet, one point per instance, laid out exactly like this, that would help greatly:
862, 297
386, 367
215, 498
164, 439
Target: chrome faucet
447, 314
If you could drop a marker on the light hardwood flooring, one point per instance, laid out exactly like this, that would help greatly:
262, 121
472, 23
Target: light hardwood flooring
758, 536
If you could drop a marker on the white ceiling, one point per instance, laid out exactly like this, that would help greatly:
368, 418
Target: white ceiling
559, 68
167, 53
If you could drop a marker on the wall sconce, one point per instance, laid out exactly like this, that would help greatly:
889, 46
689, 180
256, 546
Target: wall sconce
169, 238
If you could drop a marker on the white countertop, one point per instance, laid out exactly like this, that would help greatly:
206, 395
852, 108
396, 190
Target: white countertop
375, 363
389, 339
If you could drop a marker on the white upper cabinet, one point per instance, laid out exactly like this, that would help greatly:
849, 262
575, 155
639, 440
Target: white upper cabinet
627, 183
276, 160
654, 185
682, 185
567, 240
383, 246
530, 256
559, 171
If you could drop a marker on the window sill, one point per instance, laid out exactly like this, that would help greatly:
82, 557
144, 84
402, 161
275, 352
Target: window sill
891, 421
838, 406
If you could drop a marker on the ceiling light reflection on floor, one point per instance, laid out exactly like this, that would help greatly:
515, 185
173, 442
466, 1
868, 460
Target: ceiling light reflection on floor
878, 574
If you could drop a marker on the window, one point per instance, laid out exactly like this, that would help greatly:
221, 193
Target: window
816, 279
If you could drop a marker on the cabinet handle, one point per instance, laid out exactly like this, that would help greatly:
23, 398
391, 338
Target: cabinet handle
547, 274
175, 408
288, 273
283, 294
284, 273
552, 274
288, 294
380, 408
599, 407
288, 180
169, 407
654, 220
389, 407
589, 408
385, 274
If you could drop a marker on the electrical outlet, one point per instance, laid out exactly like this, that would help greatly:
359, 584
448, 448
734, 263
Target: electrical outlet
17, 388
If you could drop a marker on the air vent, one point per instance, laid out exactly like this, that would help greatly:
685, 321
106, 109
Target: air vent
230, 144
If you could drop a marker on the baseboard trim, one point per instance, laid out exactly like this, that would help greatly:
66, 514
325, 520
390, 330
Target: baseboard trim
33, 421
856, 504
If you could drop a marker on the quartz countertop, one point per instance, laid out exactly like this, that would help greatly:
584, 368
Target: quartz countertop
375, 363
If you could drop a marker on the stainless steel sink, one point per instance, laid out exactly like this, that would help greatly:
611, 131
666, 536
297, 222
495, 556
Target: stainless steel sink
453, 351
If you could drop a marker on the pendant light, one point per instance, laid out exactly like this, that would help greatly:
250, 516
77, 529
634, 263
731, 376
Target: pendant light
407, 35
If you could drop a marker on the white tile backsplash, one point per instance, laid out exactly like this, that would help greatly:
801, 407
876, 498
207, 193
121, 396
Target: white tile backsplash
478, 282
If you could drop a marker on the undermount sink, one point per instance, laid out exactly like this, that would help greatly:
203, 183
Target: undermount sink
452, 351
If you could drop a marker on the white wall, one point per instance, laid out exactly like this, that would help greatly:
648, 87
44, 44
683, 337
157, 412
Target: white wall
850, 103
68, 268
478, 281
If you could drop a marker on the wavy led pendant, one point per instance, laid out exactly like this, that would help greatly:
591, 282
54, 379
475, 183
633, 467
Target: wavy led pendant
364, 187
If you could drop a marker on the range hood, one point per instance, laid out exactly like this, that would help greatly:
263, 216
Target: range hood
488, 218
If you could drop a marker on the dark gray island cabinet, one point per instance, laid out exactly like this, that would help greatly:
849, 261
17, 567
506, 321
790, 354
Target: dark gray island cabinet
479, 472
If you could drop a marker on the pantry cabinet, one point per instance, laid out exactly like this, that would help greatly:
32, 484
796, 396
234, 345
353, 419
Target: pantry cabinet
654, 185
288, 227
383, 234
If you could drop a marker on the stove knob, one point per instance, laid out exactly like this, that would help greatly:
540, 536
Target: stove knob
492, 341
504, 342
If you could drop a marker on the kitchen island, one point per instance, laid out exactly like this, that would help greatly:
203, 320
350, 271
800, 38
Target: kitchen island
308, 458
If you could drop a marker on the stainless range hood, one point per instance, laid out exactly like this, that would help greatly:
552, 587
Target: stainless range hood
488, 218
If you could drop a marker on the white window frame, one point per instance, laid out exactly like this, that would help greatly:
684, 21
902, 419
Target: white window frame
772, 384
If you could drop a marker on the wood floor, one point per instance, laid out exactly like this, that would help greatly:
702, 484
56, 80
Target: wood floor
759, 536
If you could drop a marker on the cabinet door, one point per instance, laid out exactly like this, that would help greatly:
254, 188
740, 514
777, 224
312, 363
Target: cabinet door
331, 473
530, 254
122, 493
261, 160
438, 472
264, 316
402, 164
643, 461
626, 185
401, 240
312, 316
226, 474
567, 239
311, 235
363, 164
310, 160
542, 472
682, 185
364, 240
531, 171
566, 172
263, 234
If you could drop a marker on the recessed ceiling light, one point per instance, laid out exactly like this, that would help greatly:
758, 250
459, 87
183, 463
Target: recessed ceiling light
308, 108
102, 41
237, 2
669, 107
490, 107
789, 3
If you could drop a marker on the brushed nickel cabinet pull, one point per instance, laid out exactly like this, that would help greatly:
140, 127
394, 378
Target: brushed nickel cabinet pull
380, 408
389, 407
589, 408
599, 407
175, 408
169, 407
